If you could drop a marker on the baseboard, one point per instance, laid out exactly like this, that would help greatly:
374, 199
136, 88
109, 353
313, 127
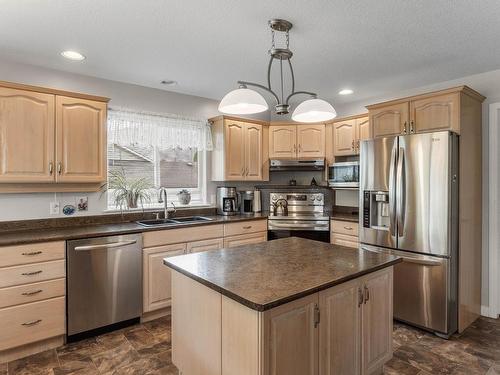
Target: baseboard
489, 312
29, 349
148, 316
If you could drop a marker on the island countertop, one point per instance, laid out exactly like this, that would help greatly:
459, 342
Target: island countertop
265, 275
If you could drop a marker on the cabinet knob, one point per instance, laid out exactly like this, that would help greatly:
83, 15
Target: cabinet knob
411, 127
32, 323
31, 273
32, 293
360, 297
367, 294
404, 128
51, 168
31, 253
59, 168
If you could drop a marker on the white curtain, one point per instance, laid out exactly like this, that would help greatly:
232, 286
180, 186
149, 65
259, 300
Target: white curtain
164, 131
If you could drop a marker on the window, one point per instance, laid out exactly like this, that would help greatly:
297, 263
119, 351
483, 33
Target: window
160, 151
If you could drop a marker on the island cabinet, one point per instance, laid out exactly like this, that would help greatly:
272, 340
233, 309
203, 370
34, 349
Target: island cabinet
345, 329
347, 133
441, 110
297, 141
51, 140
344, 233
162, 244
240, 150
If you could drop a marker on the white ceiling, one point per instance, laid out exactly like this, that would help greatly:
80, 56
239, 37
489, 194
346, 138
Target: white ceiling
373, 47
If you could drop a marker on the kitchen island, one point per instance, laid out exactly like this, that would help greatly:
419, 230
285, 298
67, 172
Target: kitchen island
285, 307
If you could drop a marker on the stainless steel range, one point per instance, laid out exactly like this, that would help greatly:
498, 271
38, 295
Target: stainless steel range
298, 215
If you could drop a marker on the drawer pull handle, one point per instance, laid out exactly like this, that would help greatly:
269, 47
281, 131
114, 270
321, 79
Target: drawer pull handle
31, 273
247, 227
348, 228
32, 253
32, 293
29, 324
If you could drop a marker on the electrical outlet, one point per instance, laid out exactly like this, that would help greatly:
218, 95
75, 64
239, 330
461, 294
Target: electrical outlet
54, 208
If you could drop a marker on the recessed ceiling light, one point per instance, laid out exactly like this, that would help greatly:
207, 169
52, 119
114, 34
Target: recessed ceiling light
345, 92
168, 82
73, 55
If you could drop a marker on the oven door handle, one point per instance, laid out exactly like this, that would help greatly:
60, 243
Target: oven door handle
298, 225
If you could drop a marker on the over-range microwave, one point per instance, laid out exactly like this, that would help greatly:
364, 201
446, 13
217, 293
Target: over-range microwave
344, 175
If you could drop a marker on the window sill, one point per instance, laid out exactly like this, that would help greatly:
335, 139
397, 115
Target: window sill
158, 208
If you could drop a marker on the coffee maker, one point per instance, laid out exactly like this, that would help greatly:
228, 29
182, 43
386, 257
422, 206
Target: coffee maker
227, 201
246, 202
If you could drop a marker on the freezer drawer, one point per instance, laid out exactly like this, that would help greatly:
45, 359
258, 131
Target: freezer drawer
423, 293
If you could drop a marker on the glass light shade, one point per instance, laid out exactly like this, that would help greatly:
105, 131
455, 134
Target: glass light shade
314, 110
242, 102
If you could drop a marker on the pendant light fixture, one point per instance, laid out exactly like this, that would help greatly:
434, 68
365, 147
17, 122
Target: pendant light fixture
244, 101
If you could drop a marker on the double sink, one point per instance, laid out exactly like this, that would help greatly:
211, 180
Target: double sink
176, 221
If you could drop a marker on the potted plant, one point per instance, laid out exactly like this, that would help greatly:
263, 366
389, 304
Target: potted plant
184, 196
129, 192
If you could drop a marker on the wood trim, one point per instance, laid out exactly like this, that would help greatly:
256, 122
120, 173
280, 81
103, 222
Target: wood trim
45, 90
12, 354
493, 213
464, 89
234, 118
60, 187
346, 118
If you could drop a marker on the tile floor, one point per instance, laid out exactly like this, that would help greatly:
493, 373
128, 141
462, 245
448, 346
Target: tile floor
145, 349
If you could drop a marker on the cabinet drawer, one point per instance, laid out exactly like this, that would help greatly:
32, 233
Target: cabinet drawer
31, 253
245, 239
344, 227
178, 235
17, 295
205, 245
32, 273
32, 322
344, 240
251, 226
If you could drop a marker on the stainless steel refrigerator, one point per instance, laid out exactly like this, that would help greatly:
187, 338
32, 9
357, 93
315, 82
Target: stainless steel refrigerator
409, 207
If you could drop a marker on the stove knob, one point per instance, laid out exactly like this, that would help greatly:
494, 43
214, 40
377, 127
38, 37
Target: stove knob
319, 198
312, 198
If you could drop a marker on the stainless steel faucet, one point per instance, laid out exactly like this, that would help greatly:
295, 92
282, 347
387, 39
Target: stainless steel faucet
162, 198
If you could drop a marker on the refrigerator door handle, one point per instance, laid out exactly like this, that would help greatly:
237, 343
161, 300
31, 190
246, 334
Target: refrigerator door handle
392, 195
401, 190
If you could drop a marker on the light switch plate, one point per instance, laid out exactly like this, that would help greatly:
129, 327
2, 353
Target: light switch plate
54, 208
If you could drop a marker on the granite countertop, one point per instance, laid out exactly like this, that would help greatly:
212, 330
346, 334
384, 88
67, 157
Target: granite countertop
269, 274
99, 230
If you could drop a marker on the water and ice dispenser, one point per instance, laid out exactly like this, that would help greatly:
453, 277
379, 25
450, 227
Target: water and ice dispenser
376, 210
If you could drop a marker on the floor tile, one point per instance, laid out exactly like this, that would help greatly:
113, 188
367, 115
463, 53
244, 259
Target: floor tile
112, 359
41, 363
75, 362
398, 367
3, 368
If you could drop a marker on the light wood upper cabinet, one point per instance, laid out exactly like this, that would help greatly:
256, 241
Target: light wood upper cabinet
291, 338
235, 148
282, 141
311, 141
363, 129
390, 120
26, 136
81, 140
377, 321
435, 113
302, 141
156, 276
340, 335
240, 151
253, 152
344, 138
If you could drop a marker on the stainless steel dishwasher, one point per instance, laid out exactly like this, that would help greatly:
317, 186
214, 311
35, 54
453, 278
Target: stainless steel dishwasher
104, 282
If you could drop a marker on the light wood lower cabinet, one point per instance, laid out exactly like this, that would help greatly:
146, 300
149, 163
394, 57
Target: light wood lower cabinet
346, 329
157, 292
245, 239
344, 233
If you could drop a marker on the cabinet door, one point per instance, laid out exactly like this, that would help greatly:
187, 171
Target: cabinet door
205, 245
282, 141
245, 239
26, 136
363, 131
340, 330
235, 150
390, 120
253, 152
377, 321
311, 141
435, 113
344, 138
156, 276
80, 140
291, 338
